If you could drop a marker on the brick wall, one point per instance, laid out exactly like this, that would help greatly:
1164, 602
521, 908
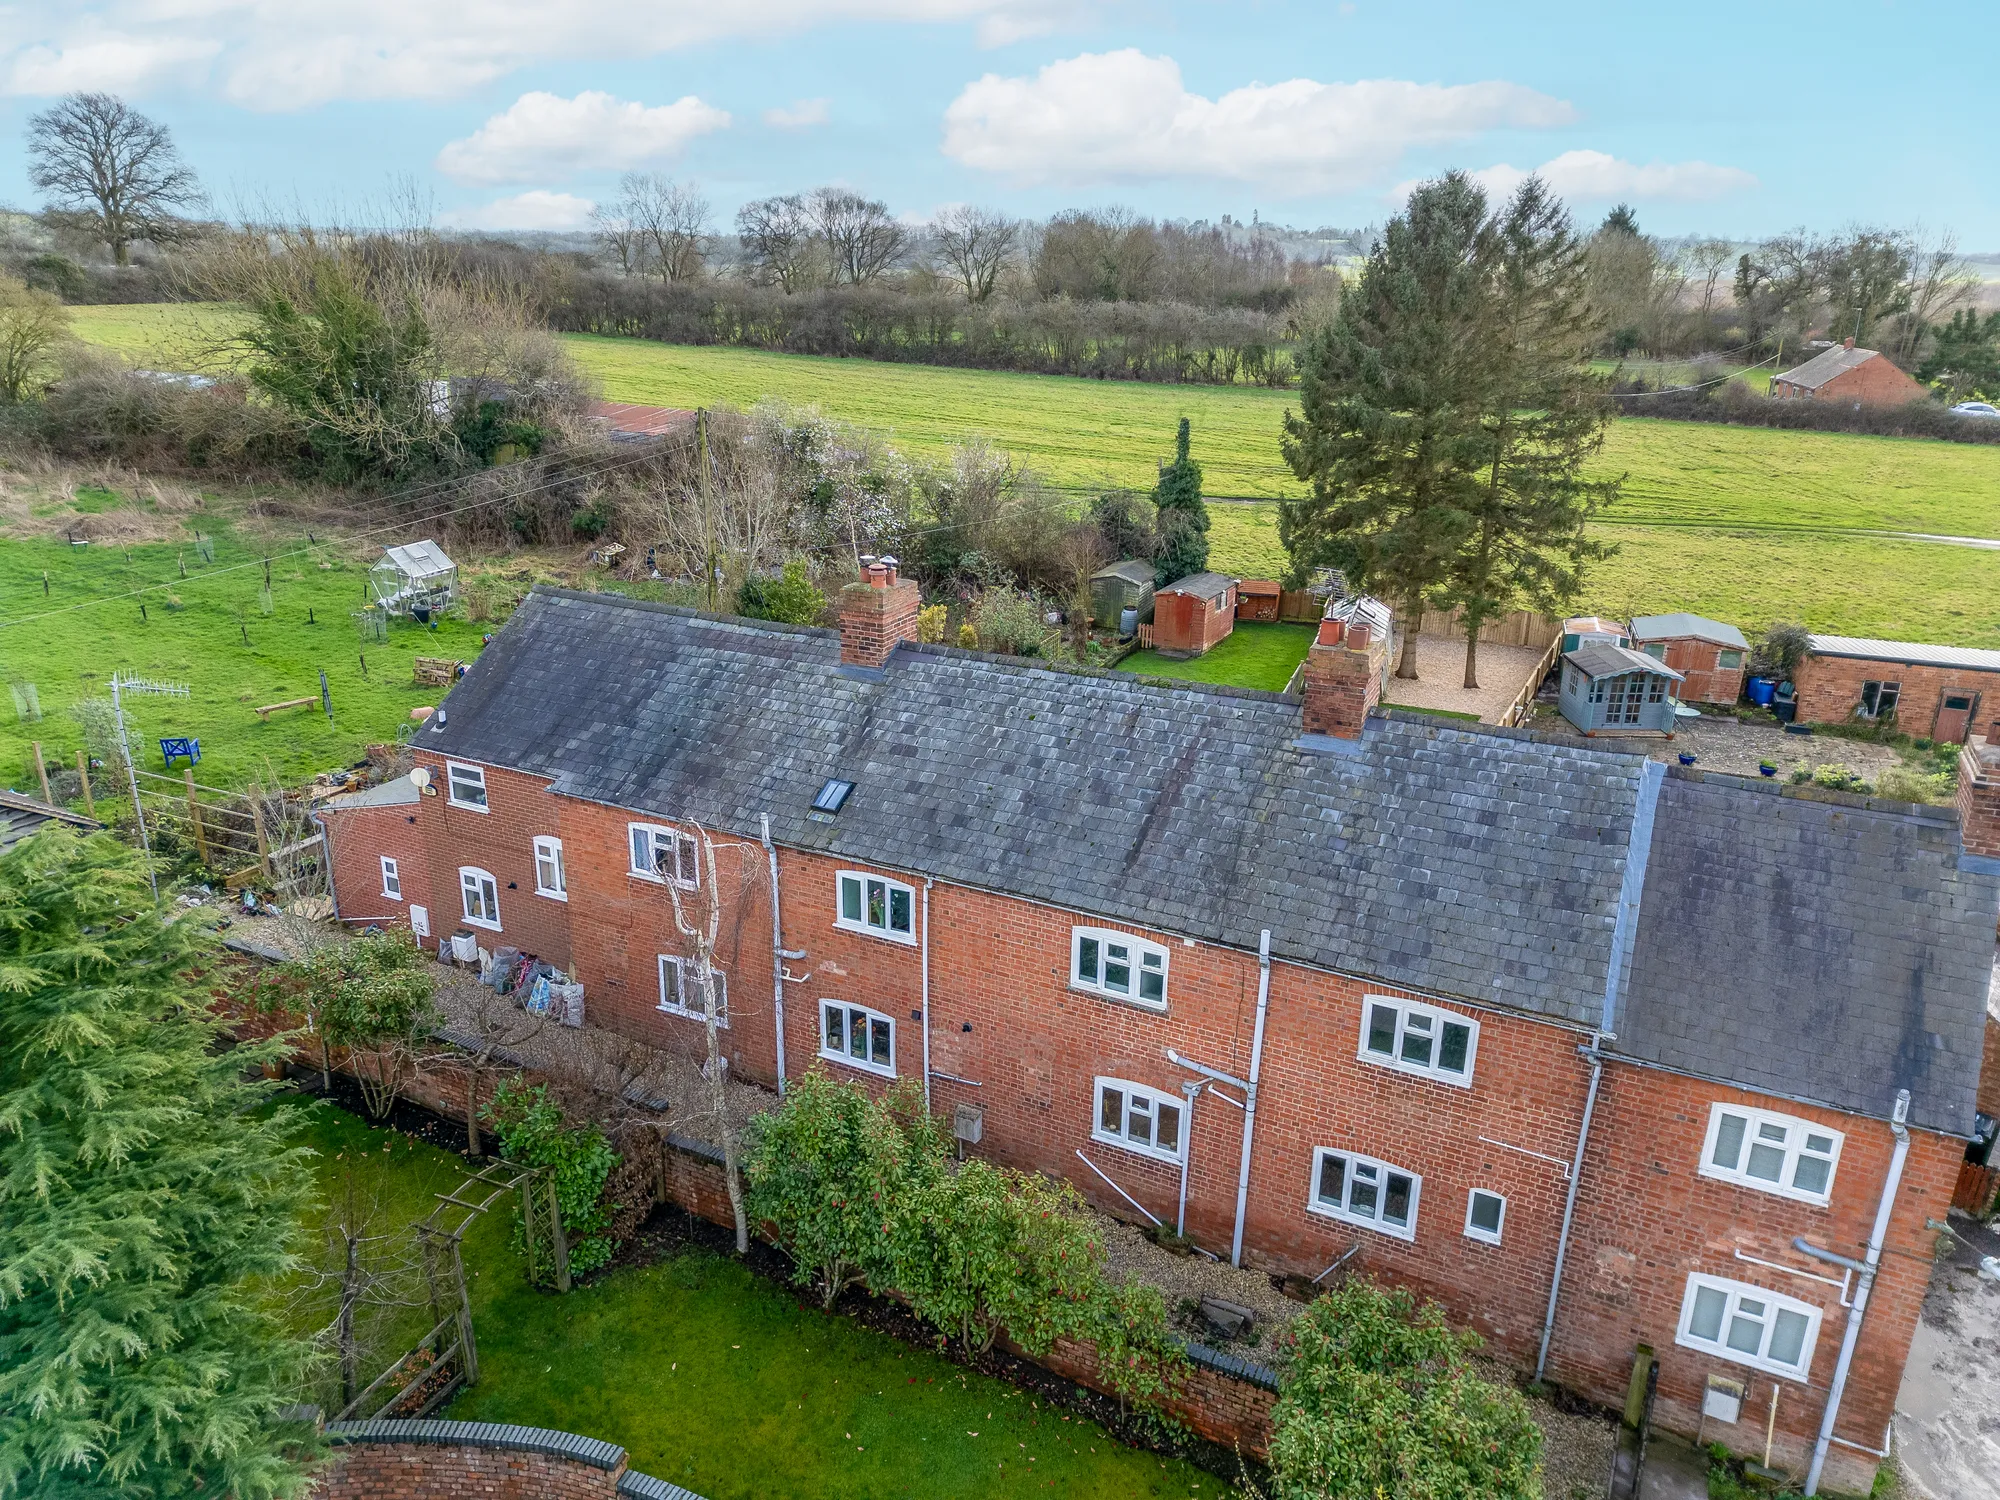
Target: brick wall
1829, 689
1874, 382
1646, 1220
1989, 1075
357, 839
501, 841
465, 1461
1342, 680
1979, 799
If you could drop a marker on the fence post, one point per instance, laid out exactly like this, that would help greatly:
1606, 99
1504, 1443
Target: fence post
528, 1221
561, 1240
42, 771
465, 1340
263, 844
83, 775
194, 815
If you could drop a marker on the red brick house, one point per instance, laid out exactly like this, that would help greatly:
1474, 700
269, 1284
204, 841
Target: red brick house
1935, 692
1585, 1046
1193, 613
1860, 377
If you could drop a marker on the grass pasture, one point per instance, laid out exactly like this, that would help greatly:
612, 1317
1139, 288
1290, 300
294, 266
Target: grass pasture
1252, 655
1748, 524
715, 1379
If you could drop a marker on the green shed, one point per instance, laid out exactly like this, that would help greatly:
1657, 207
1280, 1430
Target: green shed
1122, 586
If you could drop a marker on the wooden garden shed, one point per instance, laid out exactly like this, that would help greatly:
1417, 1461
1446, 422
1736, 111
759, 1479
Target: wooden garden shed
1122, 586
1707, 653
1191, 614
1614, 690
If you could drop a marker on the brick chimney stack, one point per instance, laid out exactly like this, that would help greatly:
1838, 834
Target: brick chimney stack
877, 613
1849, 344
1979, 797
1343, 676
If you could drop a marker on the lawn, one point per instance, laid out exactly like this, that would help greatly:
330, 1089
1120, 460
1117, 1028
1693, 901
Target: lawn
1251, 656
715, 1379
1748, 524
210, 632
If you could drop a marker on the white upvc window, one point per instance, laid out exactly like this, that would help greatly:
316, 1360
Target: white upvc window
680, 990
392, 879
665, 854
549, 877
1748, 1326
857, 1036
1362, 1190
1140, 1119
465, 786
877, 906
1776, 1153
1108, 962
1485, 1215
1412, 1037
481, 893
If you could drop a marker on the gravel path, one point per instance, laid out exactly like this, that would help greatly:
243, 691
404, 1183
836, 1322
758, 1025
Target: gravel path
1723, 743
1503, 672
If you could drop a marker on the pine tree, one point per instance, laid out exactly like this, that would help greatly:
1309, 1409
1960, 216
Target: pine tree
1183, 516
1542, 414
143, 1203
1387, 431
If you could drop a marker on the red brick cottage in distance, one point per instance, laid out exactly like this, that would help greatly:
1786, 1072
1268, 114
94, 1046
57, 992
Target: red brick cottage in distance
1859, 377
1585, 1046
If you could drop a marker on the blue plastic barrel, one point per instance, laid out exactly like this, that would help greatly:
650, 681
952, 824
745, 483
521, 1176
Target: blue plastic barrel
1128, 620
1761, 691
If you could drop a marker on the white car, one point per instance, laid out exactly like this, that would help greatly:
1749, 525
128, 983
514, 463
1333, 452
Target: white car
1976, 409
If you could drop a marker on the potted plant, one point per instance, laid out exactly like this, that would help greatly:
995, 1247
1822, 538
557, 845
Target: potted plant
1769, 768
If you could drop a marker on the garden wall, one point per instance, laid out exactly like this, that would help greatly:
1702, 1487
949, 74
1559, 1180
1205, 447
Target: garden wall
395, 1460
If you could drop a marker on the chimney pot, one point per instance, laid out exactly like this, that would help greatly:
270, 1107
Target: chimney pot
1343, 677
1331, 632
1849, 344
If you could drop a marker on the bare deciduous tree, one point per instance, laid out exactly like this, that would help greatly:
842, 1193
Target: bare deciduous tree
1940, 280
1707, 260
670, 222
976, 245
33, 324
109, 169
617, 235
777, 235
701, 930
860, 240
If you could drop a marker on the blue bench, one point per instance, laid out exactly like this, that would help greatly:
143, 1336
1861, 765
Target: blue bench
172, 749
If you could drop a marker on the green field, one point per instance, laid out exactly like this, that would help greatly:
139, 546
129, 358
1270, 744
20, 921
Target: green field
715, 1379
209, 632
1747, 524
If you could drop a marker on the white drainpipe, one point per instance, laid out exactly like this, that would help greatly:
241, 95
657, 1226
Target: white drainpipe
1250, 1092
924, 966
1865, 1279
777, 953
1596, 1059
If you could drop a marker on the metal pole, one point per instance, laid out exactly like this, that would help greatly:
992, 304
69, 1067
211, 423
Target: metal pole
1188, 1092
924, 977
132, 775
1250, 1092
1569, 1204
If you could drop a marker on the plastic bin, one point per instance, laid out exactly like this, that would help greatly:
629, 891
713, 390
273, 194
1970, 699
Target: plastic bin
1761, 690
1128, 620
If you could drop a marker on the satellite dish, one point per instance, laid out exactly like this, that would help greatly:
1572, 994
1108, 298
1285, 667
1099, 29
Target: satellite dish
421, 778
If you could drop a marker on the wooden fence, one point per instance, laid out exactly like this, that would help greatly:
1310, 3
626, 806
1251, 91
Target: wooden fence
1520, 627
246, 835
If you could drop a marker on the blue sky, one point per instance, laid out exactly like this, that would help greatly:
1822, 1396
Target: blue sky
1732, 119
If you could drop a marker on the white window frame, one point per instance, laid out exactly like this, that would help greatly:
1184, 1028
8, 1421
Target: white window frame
1737, 1293
1437, 1018
684, 846
687, 986
474, 774
1475, 1232
392, 878
1377, 1174
860, 881
1154, 1101
492, 895
1792, 1150
1139, 951
848, 1013
549, 848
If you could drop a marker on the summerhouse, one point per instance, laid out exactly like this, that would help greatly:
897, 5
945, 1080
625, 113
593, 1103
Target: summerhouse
1614, 690
416, 580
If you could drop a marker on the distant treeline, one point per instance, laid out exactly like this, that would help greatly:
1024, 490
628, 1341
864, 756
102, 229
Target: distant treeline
1159, 341
1735, 403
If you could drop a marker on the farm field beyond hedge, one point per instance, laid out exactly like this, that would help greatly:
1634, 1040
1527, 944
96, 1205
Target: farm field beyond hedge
1745, 523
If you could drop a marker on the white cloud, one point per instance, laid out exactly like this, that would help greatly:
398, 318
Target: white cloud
1594, 175
1124, 116
803, 115
295, 54
545, 135
114, 63
535, 209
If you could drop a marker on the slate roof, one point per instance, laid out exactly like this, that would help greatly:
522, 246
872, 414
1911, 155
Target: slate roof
1908, 653
1825, 366
1822, 949
1467, 862
1201, 585
1601, 659
1131, 570
23, 817
1676, 626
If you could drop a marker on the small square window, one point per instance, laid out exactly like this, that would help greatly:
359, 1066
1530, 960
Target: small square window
1484, 1214
481, 893
681, 993
549, 878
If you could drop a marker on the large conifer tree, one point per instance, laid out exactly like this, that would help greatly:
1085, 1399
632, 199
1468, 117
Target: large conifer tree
143, 1203
1182, 523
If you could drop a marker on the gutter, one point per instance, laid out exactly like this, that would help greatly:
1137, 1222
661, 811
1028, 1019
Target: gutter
777, 950
1865, 1271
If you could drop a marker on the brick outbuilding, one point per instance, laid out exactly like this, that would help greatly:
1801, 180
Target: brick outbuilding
1859, 377
1942, 693
1550, 1033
